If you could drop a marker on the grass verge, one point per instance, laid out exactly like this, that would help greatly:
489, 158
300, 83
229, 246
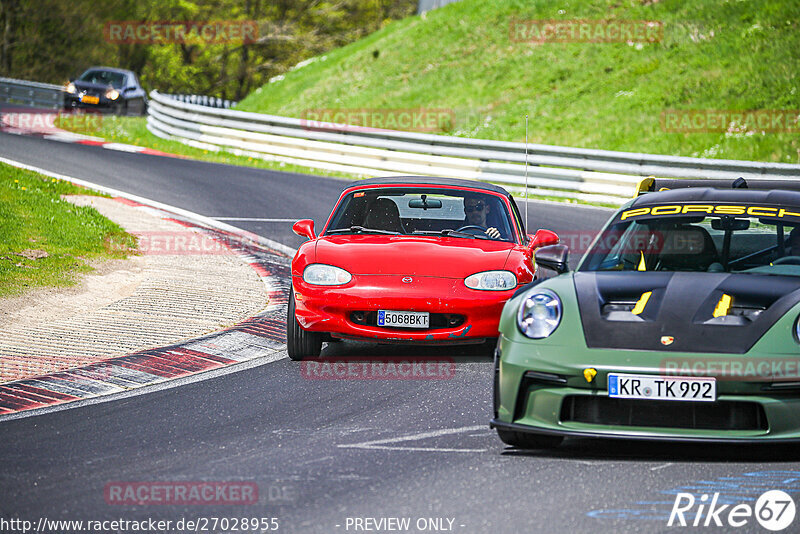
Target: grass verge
44, 240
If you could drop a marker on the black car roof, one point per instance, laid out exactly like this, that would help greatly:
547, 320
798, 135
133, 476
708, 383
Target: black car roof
428, 180
708, 194
110, 69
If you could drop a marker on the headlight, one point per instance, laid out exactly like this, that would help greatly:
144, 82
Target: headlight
491, 281
539, 314
112, 94
70, 88
319, 274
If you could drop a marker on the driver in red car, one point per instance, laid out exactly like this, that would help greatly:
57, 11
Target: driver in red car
477, 210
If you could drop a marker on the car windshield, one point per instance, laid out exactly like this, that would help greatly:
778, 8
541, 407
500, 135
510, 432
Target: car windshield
717, 243
104, 77
423, 211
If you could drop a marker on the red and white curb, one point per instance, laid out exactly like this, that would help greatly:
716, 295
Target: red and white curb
42, 123
64, 136
260, 337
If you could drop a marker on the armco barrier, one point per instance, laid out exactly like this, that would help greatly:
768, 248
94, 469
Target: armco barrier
594, 175
372, 152
209, 101
31, 94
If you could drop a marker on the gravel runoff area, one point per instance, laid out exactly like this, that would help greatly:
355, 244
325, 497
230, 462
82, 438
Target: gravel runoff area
180, 286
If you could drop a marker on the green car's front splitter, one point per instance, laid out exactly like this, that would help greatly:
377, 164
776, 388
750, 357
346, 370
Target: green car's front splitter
540, 386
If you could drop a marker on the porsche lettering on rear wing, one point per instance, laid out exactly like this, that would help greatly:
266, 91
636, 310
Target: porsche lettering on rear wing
652, 185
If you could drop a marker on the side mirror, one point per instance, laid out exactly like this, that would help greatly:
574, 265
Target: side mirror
304, 228
543, 238
553, 258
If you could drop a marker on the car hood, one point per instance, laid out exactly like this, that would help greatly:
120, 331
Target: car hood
679, 314
444, 257
88, 86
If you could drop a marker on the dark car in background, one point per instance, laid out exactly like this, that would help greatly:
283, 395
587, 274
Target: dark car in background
107, 89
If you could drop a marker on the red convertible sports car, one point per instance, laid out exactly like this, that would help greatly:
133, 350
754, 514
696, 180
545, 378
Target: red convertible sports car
409, 259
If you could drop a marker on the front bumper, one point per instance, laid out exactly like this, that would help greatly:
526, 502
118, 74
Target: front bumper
543, 402
515, 427
329, 309
73, 101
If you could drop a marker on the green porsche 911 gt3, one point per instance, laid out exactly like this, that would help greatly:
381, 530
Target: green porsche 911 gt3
679, 323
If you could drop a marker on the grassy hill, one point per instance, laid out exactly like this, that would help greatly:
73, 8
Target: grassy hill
714, 55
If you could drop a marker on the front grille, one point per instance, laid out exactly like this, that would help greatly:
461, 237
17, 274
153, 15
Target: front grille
436, 320
720, 415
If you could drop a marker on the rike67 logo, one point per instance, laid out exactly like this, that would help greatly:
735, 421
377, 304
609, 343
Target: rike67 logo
774, 510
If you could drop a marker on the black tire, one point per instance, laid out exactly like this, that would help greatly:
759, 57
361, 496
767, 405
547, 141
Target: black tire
522, 440
300, 344
488, 347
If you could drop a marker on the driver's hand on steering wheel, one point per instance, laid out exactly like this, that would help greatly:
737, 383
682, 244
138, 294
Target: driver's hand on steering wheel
493, 232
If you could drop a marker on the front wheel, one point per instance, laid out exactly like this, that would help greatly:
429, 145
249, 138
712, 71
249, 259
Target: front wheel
120, 109
488, 347
522, 440
300, 344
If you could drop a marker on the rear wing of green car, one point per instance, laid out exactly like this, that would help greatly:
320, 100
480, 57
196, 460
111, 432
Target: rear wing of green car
651, 184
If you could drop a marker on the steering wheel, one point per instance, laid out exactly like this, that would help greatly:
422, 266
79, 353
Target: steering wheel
478, 230
787, 260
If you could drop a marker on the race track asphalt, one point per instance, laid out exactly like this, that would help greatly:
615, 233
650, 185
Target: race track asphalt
323, 451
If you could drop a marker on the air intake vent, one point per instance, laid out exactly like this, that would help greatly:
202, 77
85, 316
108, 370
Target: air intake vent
722, 415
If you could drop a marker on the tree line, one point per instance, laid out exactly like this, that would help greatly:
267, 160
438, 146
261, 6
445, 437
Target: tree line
55, 40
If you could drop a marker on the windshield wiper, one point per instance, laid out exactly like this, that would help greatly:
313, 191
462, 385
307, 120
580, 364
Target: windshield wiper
425, 232
456, 233
361, 230
450, 233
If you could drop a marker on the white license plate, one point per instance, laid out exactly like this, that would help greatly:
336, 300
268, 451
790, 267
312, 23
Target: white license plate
403, 319
622, 386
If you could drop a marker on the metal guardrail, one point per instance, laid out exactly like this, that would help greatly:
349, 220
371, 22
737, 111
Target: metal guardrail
31, 94
209, 101
593, 175
424, 6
